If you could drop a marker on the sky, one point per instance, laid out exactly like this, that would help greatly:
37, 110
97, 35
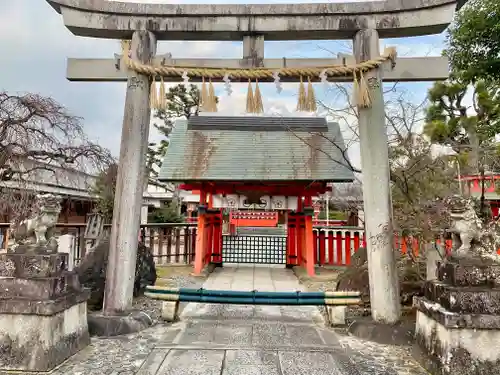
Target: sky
35, 45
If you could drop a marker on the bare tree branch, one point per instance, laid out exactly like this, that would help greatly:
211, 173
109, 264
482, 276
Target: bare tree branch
38, 134
417, 176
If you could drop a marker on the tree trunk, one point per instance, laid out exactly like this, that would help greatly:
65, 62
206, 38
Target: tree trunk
473, 157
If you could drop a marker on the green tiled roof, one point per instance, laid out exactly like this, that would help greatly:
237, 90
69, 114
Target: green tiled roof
255, 149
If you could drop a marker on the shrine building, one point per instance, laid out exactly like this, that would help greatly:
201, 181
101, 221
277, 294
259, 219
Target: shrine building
246, 167
472, 185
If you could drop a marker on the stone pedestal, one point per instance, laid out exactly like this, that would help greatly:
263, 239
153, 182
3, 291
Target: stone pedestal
336, 315
458, 320
43, 311
170, 311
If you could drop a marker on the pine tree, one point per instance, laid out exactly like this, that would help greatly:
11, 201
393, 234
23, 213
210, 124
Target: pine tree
470, 132
182, 103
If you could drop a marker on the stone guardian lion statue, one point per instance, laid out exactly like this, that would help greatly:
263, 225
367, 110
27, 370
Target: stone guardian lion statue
466, 225
471, 237
37, 231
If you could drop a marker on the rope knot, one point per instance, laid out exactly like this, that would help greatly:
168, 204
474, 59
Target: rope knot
391, 54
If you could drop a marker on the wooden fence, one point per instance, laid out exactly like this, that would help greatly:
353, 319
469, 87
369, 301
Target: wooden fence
170, 242
173, 243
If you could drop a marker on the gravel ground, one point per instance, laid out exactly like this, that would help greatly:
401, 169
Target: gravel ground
175, 277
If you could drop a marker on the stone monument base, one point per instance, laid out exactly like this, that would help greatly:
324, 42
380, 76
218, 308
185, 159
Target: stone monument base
458, 321
40, 335
43, 312
443, 348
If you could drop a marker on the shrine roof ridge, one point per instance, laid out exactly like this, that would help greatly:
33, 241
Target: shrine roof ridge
258, 123
307, 21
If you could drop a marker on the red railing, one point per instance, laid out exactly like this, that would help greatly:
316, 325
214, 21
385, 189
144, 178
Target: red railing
329, 223
335, 247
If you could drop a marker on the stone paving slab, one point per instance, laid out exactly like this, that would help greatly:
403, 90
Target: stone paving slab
306, 363
251, 357
153, 362
234, 334
244, 340
244, 312
252, 370
195, 361
250, 333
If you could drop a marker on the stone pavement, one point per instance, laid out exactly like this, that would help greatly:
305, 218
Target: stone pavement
245, 340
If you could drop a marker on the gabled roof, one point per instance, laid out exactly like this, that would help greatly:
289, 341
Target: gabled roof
216, 148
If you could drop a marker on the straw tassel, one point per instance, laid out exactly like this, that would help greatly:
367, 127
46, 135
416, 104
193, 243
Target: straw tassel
250, 99
361, 91
212, 100
126, 44
153, 98
204, 96
355, 88
258, 106
311, 97
366, 97
392, 54
302, 100
162, 96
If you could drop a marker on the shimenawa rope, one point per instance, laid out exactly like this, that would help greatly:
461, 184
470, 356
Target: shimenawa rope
362, 93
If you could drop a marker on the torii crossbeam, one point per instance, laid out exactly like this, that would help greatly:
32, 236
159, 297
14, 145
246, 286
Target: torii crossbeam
410, 69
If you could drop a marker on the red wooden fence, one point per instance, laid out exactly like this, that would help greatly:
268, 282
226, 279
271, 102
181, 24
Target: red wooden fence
332, 223
335, 247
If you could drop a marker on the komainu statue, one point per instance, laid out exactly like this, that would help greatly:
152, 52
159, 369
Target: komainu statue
36, 232
472, 238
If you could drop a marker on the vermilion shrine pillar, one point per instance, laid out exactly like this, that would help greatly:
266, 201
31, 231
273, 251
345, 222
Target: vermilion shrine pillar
300, 233
291, 243
208, 247
199, 257
309, 235
300, 236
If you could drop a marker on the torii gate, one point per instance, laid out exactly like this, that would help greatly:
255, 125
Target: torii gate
363, 22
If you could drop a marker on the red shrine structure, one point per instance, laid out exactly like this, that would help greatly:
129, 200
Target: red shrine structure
472, 185
243, 167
